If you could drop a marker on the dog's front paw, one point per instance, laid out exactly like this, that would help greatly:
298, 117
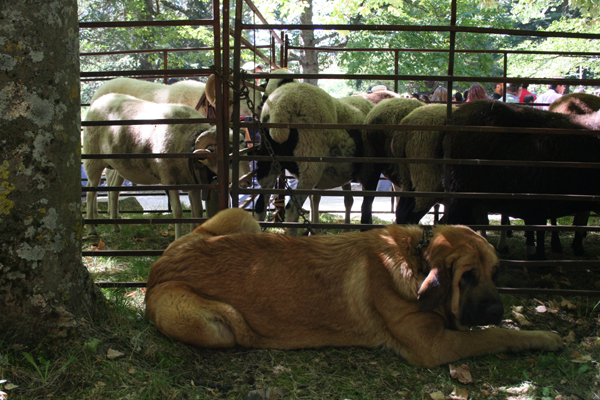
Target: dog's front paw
554, 342
544, 340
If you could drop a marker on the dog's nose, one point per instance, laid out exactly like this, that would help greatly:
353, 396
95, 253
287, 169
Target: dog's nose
494, 312
487, 311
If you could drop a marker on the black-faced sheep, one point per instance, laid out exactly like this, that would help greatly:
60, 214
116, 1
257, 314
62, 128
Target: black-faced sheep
136, 139
304, 103
519, 146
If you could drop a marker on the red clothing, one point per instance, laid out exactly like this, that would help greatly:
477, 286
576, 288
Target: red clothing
525, 92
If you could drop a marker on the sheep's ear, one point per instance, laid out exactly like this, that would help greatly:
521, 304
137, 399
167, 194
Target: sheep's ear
433, 289
211, 89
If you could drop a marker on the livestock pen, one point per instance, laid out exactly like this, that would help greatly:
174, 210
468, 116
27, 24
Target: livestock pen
232, 78
124, 356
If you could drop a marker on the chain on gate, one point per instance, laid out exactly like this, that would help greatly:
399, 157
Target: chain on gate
243, 93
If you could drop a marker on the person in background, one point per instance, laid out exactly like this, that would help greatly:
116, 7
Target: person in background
378, 88
252, 135
525, 92
458, 97
498, 91
579, 89
440, 95
253, 68
555, 91
476, 92
512, 92
529, 99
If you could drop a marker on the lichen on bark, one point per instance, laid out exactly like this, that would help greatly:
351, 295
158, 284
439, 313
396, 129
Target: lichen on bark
44, 287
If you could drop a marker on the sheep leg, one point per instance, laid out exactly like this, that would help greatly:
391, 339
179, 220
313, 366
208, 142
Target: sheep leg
404, 211
177, 210
260, 208
366, 210
114, 179
195, 197
294, 206
262, 203
555, 244
93, 170
580, 219
424, 178
502, 242
315, 199
348, 202
535, 251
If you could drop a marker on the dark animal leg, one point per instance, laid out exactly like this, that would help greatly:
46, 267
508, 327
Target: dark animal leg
406, 205
580, 219
555, 244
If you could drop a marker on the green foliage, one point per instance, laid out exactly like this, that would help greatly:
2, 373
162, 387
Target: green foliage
43, 369
132, 39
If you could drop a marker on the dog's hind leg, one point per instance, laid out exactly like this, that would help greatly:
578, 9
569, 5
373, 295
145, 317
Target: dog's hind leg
183, 315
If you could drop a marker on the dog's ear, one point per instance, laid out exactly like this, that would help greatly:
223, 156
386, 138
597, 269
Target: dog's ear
433, 289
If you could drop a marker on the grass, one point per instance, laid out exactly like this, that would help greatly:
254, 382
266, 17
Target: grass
154, 367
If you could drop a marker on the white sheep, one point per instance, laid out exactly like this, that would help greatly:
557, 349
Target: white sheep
188, 92
304, 103
136, 139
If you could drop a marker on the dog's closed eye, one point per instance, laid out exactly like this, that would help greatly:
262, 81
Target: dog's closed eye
468, 278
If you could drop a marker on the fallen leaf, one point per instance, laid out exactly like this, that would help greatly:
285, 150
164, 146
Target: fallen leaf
131, 371
462, 373
10, 386
98, 246
131, 294
372, 363
459, 394
568, 305
582, 359
521, 319
101, 384
518, 309
554, 306
541, 309
437, 395
571, 337
112, 354
140, 240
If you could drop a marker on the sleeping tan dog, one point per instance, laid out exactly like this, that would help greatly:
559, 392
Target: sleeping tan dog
227, 284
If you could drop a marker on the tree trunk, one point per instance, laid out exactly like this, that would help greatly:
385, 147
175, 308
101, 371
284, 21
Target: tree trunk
45, 291
310, 62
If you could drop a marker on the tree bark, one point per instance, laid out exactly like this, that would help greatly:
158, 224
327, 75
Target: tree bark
45, 291
310, 61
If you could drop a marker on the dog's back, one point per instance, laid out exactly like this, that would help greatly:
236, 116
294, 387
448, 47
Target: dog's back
269, 290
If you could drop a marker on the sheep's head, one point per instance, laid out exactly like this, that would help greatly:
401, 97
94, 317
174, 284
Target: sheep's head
206, 143
253, 93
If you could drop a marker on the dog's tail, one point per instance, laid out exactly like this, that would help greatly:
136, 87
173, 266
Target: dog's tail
227, 222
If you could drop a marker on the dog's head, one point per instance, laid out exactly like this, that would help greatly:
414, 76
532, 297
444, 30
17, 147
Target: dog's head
461, 270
